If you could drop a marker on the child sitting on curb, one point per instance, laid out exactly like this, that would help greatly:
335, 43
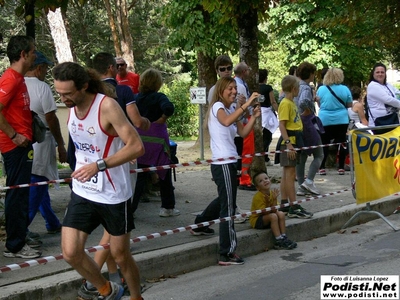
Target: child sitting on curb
267, 197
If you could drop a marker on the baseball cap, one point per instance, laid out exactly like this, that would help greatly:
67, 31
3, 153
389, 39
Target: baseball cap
41, 59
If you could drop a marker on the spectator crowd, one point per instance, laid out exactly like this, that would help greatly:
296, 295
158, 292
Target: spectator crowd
118, 122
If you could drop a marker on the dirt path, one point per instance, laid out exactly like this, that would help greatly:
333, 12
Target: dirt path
188, 152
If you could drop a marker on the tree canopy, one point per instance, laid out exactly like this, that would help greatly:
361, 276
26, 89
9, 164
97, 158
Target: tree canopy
352, 35
348, 34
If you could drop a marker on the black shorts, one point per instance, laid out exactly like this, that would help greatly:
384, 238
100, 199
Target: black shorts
86, 216
260, 223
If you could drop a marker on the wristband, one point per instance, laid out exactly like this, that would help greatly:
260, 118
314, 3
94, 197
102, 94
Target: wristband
13, 137
243, 109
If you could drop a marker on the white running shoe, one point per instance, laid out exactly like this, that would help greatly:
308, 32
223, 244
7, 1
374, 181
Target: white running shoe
310, 187
165, 212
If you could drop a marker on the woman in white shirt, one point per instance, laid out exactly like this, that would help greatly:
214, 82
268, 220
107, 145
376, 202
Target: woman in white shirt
381, 96
223, 124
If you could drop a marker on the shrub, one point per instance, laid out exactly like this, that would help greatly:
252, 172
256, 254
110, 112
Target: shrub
184, 122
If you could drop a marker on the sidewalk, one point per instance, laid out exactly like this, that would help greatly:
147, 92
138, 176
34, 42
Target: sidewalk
182, 252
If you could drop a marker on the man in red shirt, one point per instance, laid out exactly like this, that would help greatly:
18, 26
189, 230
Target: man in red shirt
16, 144
126, 77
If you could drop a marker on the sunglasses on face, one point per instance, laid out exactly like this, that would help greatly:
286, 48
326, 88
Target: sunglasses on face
223, 69
120, 65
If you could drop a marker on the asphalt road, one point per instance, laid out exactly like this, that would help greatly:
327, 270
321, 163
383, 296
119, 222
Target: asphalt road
367, 249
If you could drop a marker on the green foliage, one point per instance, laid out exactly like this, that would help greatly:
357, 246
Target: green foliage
302, 29
184, 122
233, 9
352, 35
273, 58
193, 28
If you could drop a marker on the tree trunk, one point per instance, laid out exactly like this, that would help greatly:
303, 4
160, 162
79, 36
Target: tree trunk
30, 18
59, 34
113, 26
248, 51
117, 11
126, 40
207, 78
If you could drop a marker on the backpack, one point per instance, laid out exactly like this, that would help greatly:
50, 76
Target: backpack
38, 128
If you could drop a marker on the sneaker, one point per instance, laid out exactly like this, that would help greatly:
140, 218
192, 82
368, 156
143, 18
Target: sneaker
284, 209
25, 252
298, 212
86, 293
341, 172
33, 235
230, 259
247, 187
165, 212
310, 187
117, 291
202, 231
306, 212
239, 220
54, 231
284, 244
290, 241
125, 285
269, 163
301, 191
322, 172
33, 243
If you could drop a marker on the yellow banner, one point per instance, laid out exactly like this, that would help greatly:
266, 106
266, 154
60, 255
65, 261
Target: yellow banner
376, 161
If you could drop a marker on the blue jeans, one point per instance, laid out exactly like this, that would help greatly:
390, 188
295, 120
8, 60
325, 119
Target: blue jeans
18, 166
318, 156
39, 199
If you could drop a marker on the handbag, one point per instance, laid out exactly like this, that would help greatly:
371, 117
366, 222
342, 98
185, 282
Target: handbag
390, 119
38, 128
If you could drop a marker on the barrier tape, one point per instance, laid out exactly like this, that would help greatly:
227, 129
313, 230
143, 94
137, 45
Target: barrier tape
208, 161
47, 259
166, 167
35, 184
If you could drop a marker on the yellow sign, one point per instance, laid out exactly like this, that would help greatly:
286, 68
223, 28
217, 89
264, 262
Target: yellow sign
376, 160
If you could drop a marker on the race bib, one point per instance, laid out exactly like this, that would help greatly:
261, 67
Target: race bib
95, 184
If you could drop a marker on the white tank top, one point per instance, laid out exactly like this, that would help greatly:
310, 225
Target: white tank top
91, 143
352, 114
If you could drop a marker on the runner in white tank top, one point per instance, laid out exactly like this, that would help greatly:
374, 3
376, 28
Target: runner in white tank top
106, 142
91, 144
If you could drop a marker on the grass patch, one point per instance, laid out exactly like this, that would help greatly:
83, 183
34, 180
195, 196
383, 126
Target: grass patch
62, 165
183, 138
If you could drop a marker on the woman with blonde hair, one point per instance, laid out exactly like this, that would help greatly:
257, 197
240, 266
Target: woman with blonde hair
223, 123
334, 99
